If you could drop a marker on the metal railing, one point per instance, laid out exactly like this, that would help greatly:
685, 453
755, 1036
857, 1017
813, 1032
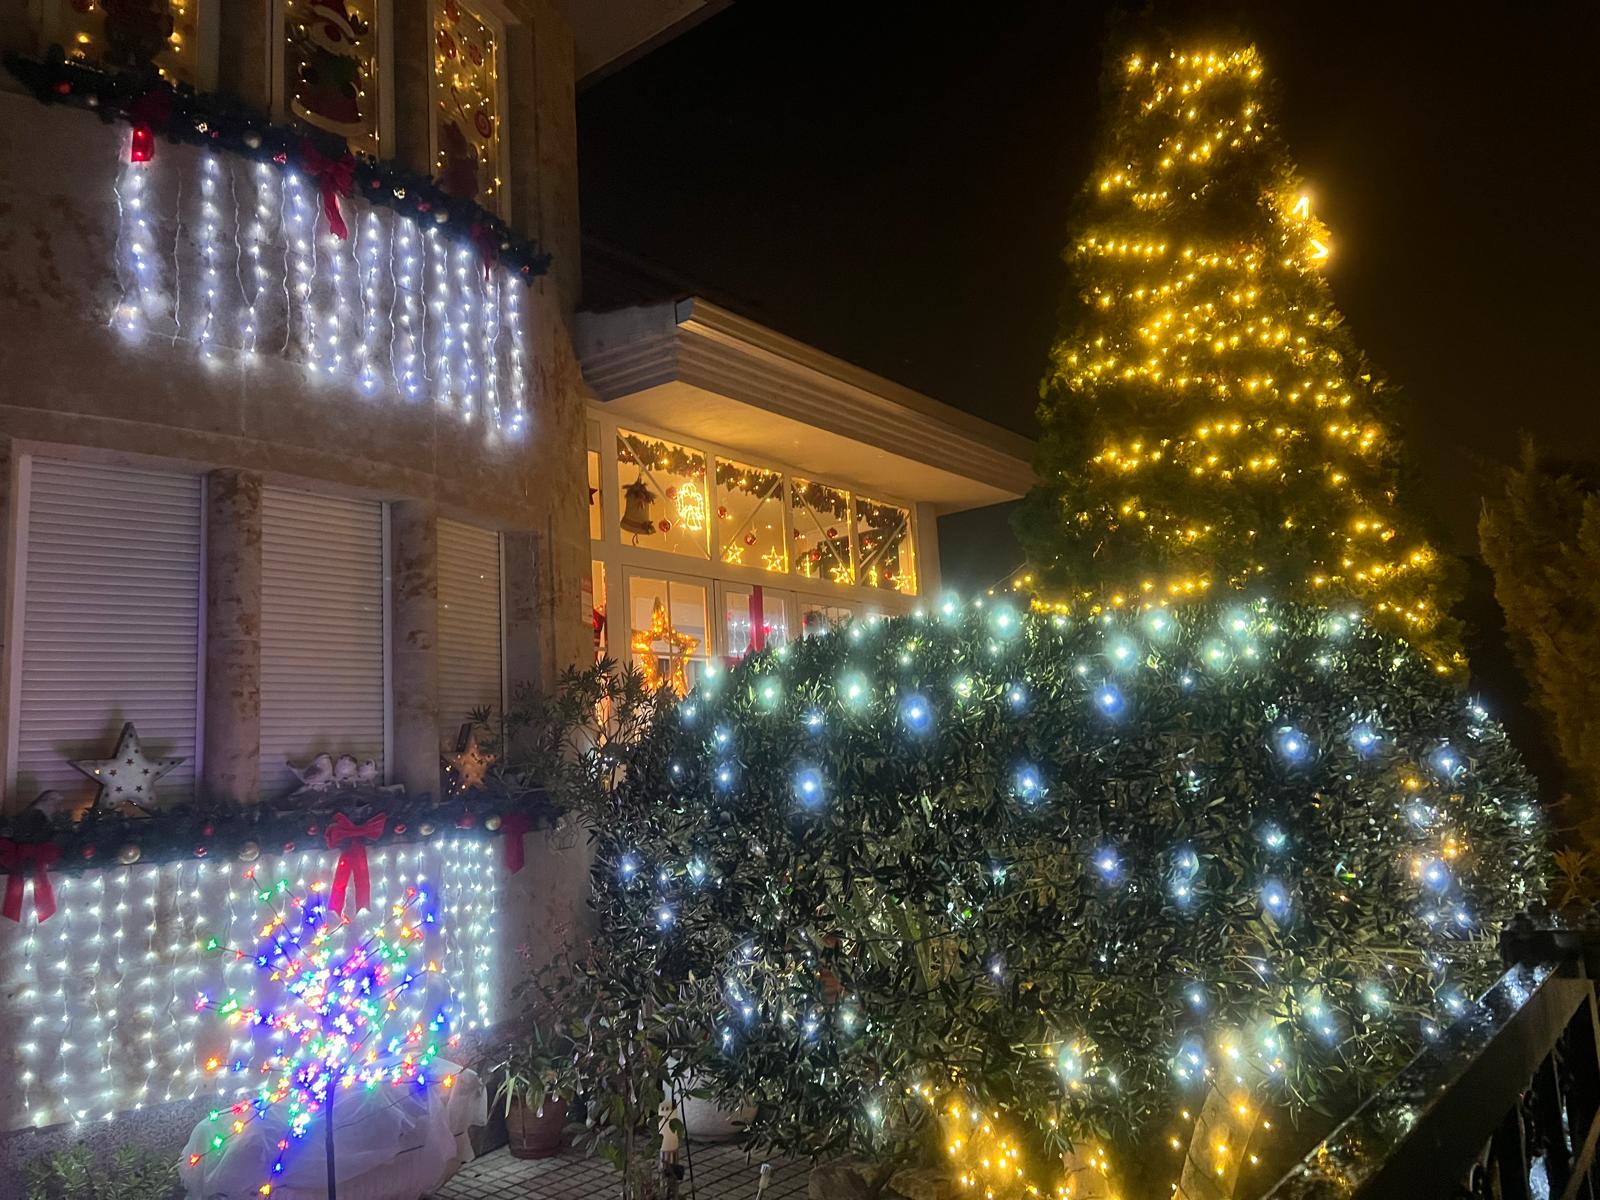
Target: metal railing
1504, 1105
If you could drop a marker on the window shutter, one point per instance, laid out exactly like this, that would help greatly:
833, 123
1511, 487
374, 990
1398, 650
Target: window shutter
323, 643
110, 621
469, 624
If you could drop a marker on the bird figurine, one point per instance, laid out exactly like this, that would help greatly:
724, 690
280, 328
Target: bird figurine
367, 773
316, 775
344, 771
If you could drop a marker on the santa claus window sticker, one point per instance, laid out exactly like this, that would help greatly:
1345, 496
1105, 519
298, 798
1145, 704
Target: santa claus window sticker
137, 35
331, 68
468, 107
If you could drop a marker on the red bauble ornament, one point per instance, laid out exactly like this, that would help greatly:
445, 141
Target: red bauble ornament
199, 851
208, 829
88, 851
722, 512
399, 826
672, 492
466, 821
833, 532
287, 847
749, 539
281, 158
311, 831
664, 525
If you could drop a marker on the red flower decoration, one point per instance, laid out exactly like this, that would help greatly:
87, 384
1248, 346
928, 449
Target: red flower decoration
475, 54
483, 123
447, 44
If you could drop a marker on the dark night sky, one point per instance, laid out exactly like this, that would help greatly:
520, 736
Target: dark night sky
892, 182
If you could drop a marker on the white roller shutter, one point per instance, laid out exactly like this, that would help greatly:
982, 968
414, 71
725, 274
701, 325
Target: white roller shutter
110, 621
469, 623
323, 642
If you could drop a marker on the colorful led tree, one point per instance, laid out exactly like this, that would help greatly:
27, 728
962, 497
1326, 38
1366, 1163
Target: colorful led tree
341, 1003
1049, 898
1208, 421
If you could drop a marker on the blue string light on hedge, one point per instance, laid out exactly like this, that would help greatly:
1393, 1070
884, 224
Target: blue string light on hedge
1210, 879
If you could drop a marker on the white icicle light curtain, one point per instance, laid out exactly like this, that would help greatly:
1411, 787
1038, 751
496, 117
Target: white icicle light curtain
100, 1011
235, 258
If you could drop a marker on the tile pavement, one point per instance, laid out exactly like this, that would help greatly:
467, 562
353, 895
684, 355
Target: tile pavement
720, 1172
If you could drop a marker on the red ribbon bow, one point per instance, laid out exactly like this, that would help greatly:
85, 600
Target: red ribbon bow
513, 826
488, 244
24, 861
150, 110
335, 177
344, 832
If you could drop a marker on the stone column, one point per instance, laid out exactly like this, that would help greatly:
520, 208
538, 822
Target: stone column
231, 763
414, 644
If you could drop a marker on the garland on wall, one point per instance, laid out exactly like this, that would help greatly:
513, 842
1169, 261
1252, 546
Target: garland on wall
179, 114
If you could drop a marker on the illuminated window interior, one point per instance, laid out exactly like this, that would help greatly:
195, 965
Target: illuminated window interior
661, 488
885, 551
467, 114
821, 518
668, 630
750, 516
123, 37
331, 73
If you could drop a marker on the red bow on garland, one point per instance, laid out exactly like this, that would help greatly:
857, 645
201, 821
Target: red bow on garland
483, 237
353, 839
335, 177
145, 114
24, 861
513, 826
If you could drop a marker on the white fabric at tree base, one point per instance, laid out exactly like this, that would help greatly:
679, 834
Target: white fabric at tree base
395, 1142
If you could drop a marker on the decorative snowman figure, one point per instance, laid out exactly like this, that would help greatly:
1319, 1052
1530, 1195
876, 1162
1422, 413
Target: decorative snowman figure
327, 94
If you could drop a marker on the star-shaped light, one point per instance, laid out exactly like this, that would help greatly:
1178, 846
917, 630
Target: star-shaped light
129, 776
470, 763
678, 648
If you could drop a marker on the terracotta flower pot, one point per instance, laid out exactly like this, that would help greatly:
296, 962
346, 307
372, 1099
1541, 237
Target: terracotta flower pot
536, 1133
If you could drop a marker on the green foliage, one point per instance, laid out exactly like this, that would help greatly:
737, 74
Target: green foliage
135, 1174
1070, 872
1208, 422
1541, 537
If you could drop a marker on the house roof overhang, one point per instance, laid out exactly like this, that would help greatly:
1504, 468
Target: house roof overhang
696, 369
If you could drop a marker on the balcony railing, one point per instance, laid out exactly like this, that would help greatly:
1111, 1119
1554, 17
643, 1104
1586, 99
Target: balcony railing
1504, 1104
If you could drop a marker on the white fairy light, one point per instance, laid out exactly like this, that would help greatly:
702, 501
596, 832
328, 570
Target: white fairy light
210, 254
120, 963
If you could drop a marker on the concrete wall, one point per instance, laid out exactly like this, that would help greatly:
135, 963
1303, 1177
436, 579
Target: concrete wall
70, 383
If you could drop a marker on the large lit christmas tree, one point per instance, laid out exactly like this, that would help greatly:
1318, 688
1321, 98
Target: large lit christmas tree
1209, 424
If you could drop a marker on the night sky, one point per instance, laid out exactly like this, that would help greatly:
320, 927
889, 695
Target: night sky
892, 182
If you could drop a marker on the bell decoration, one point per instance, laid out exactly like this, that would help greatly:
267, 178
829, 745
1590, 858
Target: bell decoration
637, 499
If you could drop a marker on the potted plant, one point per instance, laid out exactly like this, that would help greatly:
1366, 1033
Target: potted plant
535, 1085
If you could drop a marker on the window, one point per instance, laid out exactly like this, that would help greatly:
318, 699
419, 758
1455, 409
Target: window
662, 486
331, 77
323, 633
821, 518
594, 589
468, 108
597, 520
818, 617
750, 516
109, 588
469, 624
753, 618
885, 549
168, 36
667, 636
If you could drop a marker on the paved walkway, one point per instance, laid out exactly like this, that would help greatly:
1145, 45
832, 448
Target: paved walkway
719, 1173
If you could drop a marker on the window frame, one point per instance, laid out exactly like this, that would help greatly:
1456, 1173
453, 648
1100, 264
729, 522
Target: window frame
620, 558
500, 22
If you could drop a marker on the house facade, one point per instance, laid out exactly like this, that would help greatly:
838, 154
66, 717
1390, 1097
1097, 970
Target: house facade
307, 457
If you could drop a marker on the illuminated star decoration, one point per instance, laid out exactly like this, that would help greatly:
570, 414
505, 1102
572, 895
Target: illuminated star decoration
470, 762
330, 995
679, 646
129, 776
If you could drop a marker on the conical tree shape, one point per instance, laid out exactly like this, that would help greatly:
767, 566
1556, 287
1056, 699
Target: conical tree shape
1208, 423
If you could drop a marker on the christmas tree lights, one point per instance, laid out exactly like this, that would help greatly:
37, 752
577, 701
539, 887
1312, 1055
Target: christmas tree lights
340, 1007
1208, 422
1052, 899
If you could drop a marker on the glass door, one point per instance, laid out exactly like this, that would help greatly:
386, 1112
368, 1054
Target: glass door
753, 618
